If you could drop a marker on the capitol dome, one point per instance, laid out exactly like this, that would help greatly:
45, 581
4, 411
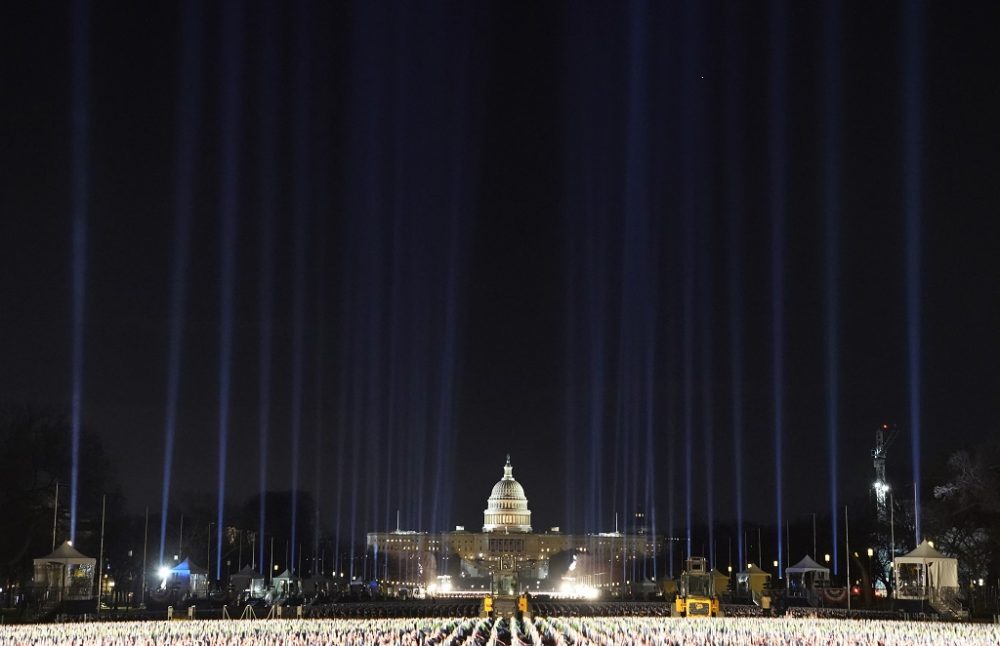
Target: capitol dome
507, 507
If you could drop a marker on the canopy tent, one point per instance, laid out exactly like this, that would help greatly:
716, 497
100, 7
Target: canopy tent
65, 574
924, 573
809, 572
720, 581
286, 583
806, 575
753, 582
248, 580
188, 577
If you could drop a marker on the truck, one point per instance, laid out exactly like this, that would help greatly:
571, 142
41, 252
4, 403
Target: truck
696, 591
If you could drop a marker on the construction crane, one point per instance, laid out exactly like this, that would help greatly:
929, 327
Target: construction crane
885, 435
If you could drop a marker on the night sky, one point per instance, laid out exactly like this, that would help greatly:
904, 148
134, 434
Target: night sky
452, 231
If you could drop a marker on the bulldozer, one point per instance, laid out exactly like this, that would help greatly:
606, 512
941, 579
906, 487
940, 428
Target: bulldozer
696, 591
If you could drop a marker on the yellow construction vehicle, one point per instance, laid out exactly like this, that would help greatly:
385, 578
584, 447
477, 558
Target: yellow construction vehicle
696, 591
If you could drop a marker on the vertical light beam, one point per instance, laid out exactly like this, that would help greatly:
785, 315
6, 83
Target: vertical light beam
831, 266
188, 112
735, 89
80, 195
231, 105
300, 126
778, 27
691, 194
265, 294
913, 28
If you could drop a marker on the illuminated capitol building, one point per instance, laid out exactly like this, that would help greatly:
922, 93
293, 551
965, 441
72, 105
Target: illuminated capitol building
508, 556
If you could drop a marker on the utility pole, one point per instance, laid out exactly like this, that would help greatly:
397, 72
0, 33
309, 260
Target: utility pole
788, 543
814, 536
180, 539
892, 542
208, 552
100, 559
847, 550
145, 539
55, 516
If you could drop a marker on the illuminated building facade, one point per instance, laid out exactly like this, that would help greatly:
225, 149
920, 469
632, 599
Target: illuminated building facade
508, 556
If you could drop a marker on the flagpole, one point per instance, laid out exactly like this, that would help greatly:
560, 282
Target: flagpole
847, 550
55, 516
100, 559
145, 538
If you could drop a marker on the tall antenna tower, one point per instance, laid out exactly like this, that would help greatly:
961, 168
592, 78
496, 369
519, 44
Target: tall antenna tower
885, 435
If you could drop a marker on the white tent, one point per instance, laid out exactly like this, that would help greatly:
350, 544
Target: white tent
924, 573
65, 574
805, 575
809, 569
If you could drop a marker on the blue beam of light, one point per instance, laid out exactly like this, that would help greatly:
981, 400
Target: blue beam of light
445, 406
831, 275
638, 296
735, 94
80, 118
300, 136
322, 207
671, 416
397, 321
265, 294
342, 431
650, 448
188, 117
688, 380
588, 267
451, 324
230, 117
691, 194
571, 401
777, 180
597, 271
707, 400
913, 71
688, 389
